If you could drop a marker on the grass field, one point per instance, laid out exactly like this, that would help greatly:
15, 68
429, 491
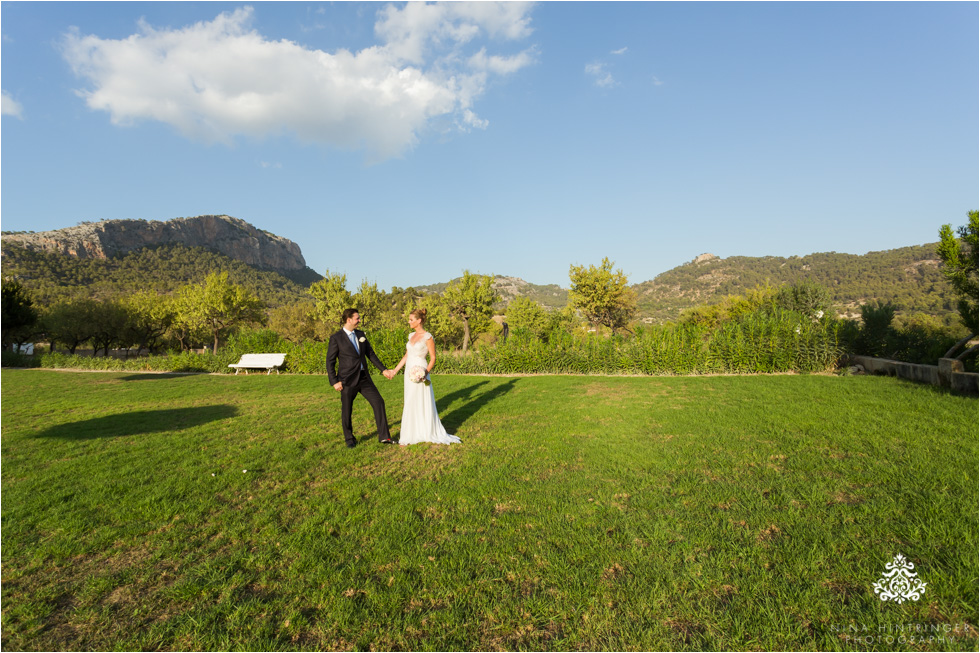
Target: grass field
588, 513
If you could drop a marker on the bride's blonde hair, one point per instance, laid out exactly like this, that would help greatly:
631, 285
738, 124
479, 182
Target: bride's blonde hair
420, 313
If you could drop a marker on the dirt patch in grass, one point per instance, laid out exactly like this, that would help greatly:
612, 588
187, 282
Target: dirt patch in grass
73, 617
685, 629
845, 498
612, 392
418, 462
769, 534
845, 591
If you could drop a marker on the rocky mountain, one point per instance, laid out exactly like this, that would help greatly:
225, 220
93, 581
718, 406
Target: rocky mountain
51, 277
226, 235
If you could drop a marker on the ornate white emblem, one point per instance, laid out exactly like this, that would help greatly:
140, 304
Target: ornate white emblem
899, 583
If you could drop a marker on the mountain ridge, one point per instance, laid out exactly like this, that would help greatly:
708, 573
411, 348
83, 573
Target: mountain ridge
908, 277
224, 234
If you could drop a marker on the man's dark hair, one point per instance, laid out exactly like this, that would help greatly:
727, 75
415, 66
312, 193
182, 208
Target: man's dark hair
346, 315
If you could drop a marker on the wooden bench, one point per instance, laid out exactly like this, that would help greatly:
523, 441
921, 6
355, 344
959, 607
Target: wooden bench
267, 362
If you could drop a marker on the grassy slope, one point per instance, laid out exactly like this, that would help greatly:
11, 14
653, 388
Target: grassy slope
579, 513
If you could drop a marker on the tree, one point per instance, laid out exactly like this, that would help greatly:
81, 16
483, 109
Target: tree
186, 328
375, 307
876, 328
403, 300
447, 331
332, 297
469, 298
150, 317
19, 314
563, 321
525, 313
294, 322
603, 296
960, 267
70, 322
219, 306
108, 325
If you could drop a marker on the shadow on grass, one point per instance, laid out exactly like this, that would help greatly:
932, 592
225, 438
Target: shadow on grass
139, 422
473, 402
150, 376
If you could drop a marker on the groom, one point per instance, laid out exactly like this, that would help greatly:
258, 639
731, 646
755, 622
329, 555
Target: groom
351, 348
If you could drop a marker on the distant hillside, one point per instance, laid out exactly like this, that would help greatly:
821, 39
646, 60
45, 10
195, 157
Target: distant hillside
549, 296
50, 276
908, 277
223, 234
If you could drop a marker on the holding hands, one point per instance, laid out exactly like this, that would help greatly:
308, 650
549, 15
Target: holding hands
388, 374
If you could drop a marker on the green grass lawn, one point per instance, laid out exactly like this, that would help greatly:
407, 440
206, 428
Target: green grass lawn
579, 513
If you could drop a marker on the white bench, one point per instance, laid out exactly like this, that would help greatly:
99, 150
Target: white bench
267, 362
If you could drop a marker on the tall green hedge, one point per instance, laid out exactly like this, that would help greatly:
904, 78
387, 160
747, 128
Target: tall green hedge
781, 342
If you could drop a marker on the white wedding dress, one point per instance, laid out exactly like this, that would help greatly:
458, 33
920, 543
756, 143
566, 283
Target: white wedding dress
420, 418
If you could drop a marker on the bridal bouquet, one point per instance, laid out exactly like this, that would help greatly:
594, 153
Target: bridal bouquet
417, 375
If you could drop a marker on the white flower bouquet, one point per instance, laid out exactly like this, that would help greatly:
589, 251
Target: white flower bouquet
417, 374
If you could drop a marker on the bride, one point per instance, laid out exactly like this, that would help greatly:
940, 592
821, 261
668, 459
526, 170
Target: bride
420, 419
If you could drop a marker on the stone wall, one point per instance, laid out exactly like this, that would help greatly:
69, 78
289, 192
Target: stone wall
948, 373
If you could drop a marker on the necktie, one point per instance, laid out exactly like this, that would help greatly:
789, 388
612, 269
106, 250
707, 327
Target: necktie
353, 341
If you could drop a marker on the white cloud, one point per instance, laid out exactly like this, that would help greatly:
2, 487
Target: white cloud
501, 65
656, 81
219, 79
602, 77
10, 107
414, 30
620, 51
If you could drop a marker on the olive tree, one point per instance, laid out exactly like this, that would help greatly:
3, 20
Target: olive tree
603, 295
150, 317
378, 309
218, 306
469, 298
332, 297
525, 313
294, 322
70, 322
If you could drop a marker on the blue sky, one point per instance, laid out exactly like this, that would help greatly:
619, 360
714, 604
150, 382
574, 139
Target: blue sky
402, 143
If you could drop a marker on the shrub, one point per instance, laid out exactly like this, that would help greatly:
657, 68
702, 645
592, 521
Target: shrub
526, 314
876, 328
780, 341
15, 359
922, 339
805, 297
256, 341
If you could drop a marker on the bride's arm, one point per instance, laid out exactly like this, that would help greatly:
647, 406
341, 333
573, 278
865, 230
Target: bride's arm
401, 364
431, 344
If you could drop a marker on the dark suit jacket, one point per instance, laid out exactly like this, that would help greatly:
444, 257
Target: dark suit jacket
340, 349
